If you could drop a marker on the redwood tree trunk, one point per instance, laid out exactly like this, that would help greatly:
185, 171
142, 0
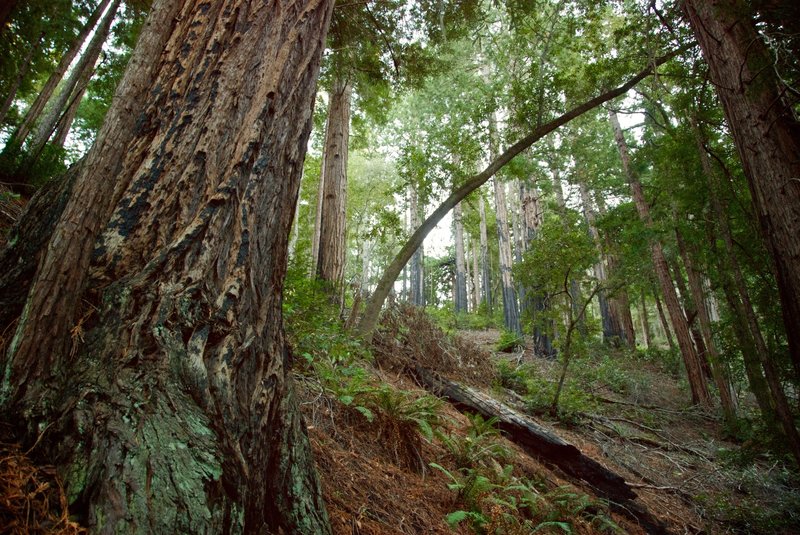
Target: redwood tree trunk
417, 274
760, 111
486, 277
151, 347
332, 233
694, 369
33, 113
84, 68
21, 72
461, 263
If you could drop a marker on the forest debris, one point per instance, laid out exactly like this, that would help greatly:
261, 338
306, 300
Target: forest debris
408, 337
541, 443
32, 500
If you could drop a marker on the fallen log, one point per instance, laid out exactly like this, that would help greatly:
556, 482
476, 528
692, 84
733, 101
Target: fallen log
544, 445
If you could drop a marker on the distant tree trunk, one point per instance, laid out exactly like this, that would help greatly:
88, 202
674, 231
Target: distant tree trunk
750, 337
535, 304
609, 332
461, 263
315, 236
694, 369
21, 72
664, 323
64, 124
150, 364
486, 278
690, 312
510, 306
645, 322
575, 297
620, 318
476, 274
34, 112
759, 108
719, 369
333, 234
295, 228
84, 68
417, 275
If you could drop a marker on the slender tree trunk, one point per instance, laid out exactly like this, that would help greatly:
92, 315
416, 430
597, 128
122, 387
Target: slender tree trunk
510, 306
151, 350
417, 275
645, 322
778, 405
609, 334
295, 233
315, 236
575, 298
85, 67
64, 124
690, 312
694, 370
719, 369
759, 108
22, 71
476, 274
486, 278
664, 322
461, 264
620, 319
35, 111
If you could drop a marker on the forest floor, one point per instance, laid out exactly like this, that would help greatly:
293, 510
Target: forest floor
631, 415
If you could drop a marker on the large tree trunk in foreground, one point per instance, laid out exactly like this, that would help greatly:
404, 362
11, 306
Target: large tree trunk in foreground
33, 113
332, 233
370, 318
694, 369
151, 350
760, 111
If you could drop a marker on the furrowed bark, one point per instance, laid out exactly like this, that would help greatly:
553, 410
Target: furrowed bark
151, 349
332, 234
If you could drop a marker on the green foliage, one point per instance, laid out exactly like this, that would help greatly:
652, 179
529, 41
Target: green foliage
402, 408
478, 447
18, 166
509, 342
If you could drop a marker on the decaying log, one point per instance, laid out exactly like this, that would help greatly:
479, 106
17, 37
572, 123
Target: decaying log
544, 445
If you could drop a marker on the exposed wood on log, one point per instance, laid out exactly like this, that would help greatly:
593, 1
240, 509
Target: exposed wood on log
543, 444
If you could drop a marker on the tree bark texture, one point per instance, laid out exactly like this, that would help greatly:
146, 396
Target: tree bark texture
151, 349
694, 369
461, 263
645, 322
85, 65
370, 318
760, 112
333, 234
33, 113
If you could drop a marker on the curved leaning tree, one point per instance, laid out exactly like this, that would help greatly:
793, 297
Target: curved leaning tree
149, 364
